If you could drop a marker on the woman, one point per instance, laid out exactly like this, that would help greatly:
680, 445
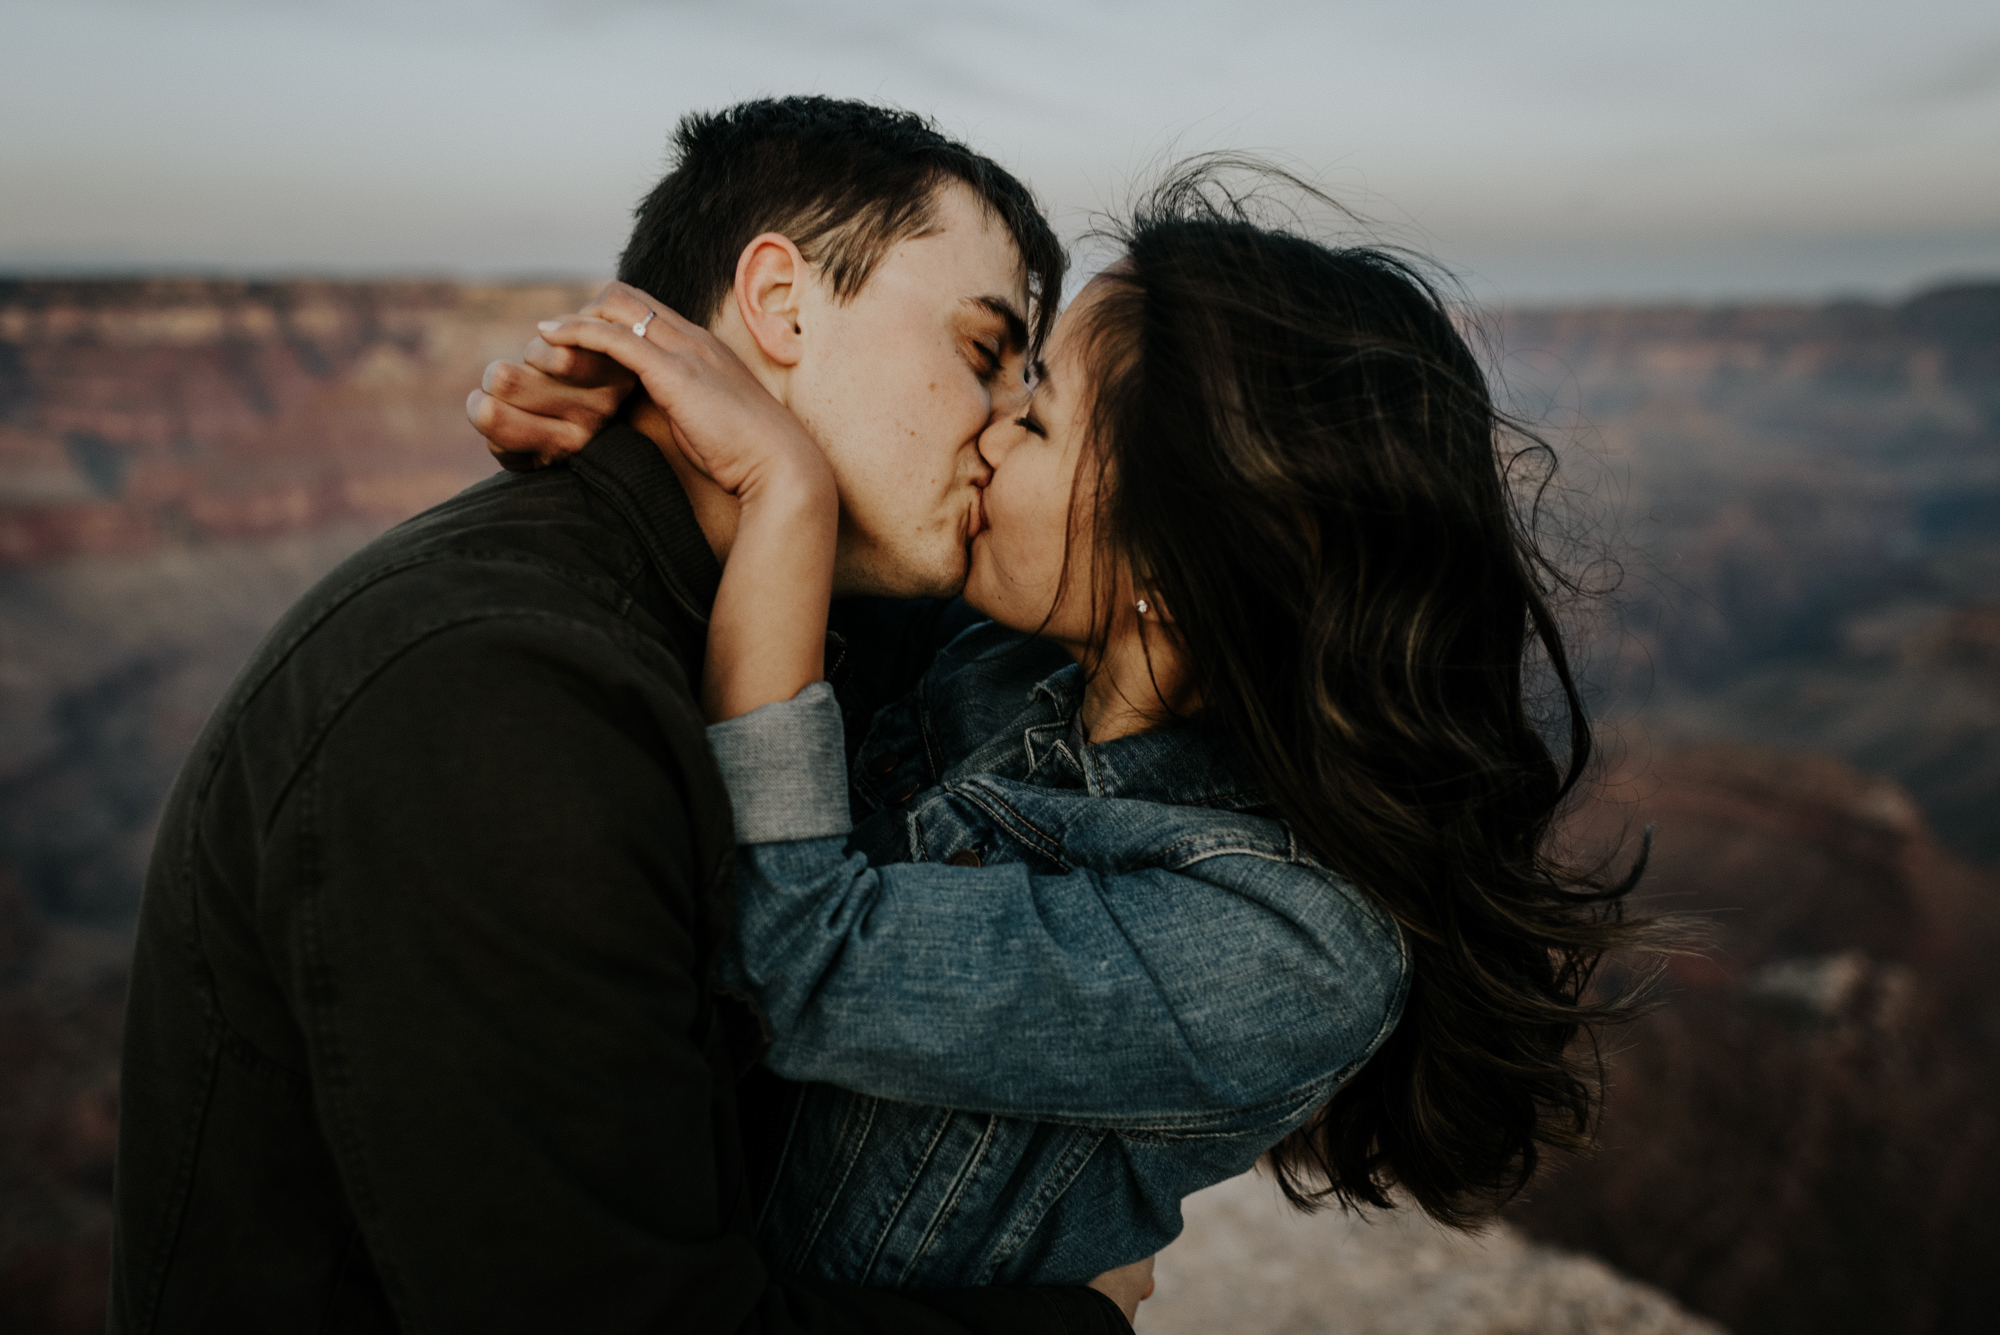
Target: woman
1263, 869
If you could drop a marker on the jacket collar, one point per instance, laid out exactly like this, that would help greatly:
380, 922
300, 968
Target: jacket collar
627, 470
1186, 765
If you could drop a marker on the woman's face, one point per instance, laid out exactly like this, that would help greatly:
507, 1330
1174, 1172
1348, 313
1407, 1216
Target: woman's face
1021, 532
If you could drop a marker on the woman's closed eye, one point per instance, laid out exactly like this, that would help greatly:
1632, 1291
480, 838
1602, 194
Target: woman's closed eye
1027, 422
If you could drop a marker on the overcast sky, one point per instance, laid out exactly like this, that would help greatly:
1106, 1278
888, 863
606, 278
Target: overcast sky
1543, 148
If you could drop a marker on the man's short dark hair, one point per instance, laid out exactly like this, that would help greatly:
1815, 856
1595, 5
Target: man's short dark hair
844, 180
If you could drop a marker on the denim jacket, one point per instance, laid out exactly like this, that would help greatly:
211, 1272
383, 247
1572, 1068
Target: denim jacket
1038, 990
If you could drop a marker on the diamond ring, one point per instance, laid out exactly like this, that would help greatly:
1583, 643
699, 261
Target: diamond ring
640, 328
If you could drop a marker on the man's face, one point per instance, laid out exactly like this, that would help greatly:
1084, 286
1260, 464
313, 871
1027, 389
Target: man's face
897, 383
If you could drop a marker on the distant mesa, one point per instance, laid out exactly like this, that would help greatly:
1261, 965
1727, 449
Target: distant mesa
140, 413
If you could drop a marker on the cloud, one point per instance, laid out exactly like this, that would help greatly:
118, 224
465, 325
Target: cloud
474, 135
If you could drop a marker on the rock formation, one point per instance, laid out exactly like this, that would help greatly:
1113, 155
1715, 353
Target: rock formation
1804, 503
62, 991
1806, 1136
141, 414
179, 460
1249, 1264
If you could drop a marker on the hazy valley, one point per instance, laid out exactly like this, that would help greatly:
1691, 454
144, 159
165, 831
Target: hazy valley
1794, 513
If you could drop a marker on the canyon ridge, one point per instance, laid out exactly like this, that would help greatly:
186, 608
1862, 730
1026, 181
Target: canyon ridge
1785, 521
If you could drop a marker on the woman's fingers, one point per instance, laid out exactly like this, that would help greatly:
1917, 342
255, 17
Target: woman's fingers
578, 366
522, 441
726, 421
533, 390
621, 303
663, 359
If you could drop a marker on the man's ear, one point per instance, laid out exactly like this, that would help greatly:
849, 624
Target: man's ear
771, 277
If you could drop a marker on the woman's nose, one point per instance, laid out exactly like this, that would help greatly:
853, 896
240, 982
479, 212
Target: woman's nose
997, 438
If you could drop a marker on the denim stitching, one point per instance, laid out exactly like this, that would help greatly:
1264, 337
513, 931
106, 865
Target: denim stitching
968, 1172
853, 1145
995, 805
895, 1216
1069, 1166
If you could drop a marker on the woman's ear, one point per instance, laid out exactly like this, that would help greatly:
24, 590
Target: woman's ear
771, 276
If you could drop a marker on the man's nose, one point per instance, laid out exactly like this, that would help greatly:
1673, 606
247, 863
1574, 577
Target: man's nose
991, 446
980, 472
1010, 399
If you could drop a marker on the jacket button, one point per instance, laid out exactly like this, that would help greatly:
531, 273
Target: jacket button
965, 857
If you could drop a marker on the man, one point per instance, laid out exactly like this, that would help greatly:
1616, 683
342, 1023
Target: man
421, 1033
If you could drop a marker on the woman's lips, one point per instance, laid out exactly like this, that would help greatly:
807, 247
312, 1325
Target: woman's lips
975, 521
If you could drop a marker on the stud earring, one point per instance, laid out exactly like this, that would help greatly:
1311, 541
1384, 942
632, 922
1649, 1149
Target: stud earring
1143, 607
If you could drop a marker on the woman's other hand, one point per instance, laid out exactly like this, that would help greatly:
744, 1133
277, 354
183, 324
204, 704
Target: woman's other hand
724, 420
767, 629
1128, 1286
550, 404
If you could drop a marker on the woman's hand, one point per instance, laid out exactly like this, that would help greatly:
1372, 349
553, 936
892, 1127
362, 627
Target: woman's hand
725, 421
550, 404
1128, 1286
767, 630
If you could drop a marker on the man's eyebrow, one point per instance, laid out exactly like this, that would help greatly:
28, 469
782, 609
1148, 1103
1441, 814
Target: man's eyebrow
1017, 328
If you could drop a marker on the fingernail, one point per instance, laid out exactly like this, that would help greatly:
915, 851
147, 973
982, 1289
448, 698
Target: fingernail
549, 326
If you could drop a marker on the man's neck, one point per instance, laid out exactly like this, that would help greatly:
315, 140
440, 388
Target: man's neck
714, 509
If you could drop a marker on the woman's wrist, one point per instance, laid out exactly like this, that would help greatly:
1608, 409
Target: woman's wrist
767, 634
792, 482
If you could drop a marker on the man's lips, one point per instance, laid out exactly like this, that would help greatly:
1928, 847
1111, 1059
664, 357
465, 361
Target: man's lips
975, 520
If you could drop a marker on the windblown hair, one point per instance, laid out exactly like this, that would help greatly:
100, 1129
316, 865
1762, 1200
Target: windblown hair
844, 180
1299, 456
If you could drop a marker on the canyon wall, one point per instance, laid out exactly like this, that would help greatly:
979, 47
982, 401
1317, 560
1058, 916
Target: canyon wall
142, 415
1796, 513
179, 460
1799, 509
1805, 1135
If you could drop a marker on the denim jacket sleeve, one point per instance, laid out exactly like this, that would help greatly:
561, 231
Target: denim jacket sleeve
1151, 997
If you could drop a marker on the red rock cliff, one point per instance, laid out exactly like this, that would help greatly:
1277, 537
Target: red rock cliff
137, 413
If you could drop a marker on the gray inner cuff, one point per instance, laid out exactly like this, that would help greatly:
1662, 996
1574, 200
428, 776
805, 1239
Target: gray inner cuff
785, 766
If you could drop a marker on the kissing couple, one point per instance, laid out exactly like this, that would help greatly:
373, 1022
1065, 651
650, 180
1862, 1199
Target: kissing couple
904, 785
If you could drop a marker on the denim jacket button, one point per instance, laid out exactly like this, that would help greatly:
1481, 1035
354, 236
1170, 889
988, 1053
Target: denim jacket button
965, 857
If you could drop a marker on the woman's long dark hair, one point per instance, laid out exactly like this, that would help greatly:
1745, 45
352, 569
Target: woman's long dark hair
1299, 456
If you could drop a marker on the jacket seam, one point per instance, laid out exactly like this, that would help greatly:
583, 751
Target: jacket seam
608, 484
1200, 1125
339, 1273
343, 1136
854, 1147
1068, 1168
332, 713
784, 1155
1003, 811
260, 1064
338, 601
968, 1173
183, 1179
940, 1125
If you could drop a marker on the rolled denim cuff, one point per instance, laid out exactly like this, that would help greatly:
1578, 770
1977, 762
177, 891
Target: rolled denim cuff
785, 766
